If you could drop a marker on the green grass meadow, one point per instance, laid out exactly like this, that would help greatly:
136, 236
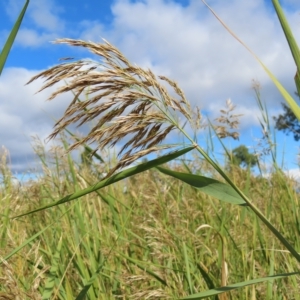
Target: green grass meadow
182, 225
150, 237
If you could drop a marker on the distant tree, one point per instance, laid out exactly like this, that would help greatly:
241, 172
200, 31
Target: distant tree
288, 122
242, 156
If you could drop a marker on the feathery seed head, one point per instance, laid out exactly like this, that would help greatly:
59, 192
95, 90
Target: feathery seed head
127, 101
229, 121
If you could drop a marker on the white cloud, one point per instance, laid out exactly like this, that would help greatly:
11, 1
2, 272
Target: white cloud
32, 38
24, 114
42, 19
292, 2
13, 8
186, 43
191, 46
294, 174
45, 14
91, 31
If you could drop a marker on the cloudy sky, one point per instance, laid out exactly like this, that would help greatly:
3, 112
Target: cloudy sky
180, 39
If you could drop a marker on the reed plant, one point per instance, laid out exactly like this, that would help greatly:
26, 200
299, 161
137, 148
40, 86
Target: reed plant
174, 232
160, 239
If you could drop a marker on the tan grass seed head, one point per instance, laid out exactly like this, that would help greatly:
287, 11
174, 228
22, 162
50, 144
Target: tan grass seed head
128, 102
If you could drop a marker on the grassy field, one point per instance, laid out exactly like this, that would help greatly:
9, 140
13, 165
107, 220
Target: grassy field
149, 237
169, 228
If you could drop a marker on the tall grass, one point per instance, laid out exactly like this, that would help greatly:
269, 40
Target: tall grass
162, 239
173, 232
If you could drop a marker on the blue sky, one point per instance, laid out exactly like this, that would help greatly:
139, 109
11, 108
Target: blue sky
179, 39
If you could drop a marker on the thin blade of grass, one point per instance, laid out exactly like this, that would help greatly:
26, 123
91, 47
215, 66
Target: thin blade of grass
296, 111
28, 241
288, 32
288, 98
114, 178
236, 286
206, 276
290, 39
187, 267
6, 49
87, 148
271, 272
297, 82
50, 282
145, 269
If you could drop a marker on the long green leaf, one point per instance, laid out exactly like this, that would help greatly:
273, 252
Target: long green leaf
290, 39
187, 268
288, 98
296, 110
217, 191
6, 49
209, 186
27, 242
236, 286
114, 178
52, 276
288, 33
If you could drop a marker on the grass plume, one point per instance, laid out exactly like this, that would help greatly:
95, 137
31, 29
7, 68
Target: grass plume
115, 86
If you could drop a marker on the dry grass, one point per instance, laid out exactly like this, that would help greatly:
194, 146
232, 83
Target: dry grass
228, 121
115, 86
163, 214
145, 243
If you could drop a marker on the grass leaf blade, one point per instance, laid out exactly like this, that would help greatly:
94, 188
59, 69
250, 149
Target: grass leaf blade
235, 286
288, 33
16, 250
6, 49
52, 276
209, 186
114, 178
288, 98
